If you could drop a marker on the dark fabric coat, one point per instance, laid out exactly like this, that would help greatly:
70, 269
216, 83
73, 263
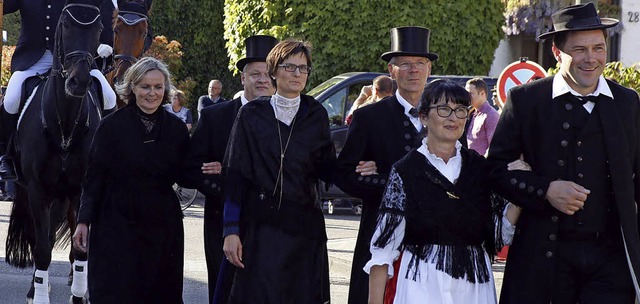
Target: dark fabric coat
208, 144
380, 132
37, 32
136, 242
532, 124
284, 236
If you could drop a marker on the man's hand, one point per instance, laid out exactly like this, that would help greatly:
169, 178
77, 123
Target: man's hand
80, 237
366, 168
233, 250
211, 168
568, 197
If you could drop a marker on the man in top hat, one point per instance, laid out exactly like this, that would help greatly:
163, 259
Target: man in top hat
577, 237
381, 134
208, 145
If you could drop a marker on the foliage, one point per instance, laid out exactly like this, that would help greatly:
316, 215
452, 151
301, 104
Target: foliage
7, 53
198, 25
11, 24
626, 76
533, 17
350, 35
170, 52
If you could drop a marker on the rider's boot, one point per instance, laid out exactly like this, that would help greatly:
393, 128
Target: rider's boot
7, 168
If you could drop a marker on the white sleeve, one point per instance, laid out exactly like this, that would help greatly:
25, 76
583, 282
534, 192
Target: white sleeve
390, 252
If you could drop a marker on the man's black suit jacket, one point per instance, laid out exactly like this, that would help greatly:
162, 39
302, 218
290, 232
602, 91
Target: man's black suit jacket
380, 132
531, 124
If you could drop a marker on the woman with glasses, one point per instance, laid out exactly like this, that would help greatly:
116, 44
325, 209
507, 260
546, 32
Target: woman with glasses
274, 228
436, 225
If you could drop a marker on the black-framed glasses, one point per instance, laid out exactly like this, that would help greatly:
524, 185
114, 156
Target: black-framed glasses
445, 111
290, 67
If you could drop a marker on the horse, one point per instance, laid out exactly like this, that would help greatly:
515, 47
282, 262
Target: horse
129, 32
52, 141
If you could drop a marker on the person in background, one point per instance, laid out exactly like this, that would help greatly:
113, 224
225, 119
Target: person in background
273, 223
484, 118
580, 133
381, 134
136, 245
213, 97
207, 149
382, 87
177, 108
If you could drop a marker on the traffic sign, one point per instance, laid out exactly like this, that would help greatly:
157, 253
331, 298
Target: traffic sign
517, 73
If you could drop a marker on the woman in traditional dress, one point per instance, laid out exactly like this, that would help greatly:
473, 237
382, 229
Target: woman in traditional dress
136, 244
436, 225
274, 228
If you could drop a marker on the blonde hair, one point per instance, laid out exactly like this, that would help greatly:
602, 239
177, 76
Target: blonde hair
136, 73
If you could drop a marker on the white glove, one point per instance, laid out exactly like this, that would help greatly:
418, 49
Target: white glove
104, 50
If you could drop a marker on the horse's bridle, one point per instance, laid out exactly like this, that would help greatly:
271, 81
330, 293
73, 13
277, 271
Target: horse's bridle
122, 57
85, 56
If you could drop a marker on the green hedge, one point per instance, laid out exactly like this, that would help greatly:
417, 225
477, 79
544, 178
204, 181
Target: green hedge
350, 35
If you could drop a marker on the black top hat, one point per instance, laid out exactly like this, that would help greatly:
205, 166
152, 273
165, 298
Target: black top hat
582, 17
258, 47
409, 41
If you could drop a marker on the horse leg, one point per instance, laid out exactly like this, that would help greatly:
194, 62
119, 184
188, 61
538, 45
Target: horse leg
41, 210
79, 258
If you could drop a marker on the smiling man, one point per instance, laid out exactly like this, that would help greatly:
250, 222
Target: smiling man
577, 237
208, 146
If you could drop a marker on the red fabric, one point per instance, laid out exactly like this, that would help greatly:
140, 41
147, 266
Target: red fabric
502, 254
390, 289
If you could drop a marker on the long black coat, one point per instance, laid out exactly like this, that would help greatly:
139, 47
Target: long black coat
37, 32
136, 243
529, 125
380, 132
208, 144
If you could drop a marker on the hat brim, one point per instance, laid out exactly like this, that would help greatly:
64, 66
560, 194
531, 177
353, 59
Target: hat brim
388, 55
605, 23
244, 61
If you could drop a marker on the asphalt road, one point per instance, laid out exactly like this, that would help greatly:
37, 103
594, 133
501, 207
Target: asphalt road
342, 230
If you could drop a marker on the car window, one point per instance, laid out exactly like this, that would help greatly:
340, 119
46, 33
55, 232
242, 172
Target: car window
335, 107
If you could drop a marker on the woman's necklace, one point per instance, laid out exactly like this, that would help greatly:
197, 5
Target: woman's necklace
283, 151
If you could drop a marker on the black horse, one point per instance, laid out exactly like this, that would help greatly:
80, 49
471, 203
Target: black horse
52, 143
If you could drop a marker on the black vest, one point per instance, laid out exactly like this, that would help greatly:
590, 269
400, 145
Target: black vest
584, 161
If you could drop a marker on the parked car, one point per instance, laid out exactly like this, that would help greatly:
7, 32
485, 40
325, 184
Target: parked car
342, 206
337, 95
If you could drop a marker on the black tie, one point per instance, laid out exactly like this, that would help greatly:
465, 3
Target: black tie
413, 112
585, 99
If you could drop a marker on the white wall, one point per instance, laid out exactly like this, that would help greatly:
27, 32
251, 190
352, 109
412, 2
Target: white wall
502, 57
630, 36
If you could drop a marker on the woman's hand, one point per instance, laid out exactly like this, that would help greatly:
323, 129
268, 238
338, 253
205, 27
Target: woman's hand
211, 168
233, 250
518, 164
80, 237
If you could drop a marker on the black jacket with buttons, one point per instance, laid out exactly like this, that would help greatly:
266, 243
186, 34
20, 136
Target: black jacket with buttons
534, 125
380, 132
37, 30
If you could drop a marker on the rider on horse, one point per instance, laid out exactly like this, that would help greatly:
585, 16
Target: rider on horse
33, 56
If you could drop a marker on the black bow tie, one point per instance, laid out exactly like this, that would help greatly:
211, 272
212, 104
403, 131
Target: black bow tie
585, 99
413, 112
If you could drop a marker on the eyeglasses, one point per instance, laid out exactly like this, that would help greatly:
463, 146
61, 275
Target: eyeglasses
290, 67
445, 111
405, 66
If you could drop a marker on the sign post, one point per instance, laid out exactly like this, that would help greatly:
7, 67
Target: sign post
517, 73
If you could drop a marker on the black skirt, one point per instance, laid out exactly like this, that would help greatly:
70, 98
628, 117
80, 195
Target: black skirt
281, 268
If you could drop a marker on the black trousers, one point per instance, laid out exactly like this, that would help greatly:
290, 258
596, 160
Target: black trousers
593, 270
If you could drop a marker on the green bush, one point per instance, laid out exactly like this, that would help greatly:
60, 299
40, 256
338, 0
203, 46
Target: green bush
350, 35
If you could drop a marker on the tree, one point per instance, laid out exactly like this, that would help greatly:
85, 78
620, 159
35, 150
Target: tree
198, 26
350, 35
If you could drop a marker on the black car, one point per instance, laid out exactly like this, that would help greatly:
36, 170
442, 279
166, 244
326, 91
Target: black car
337, 95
